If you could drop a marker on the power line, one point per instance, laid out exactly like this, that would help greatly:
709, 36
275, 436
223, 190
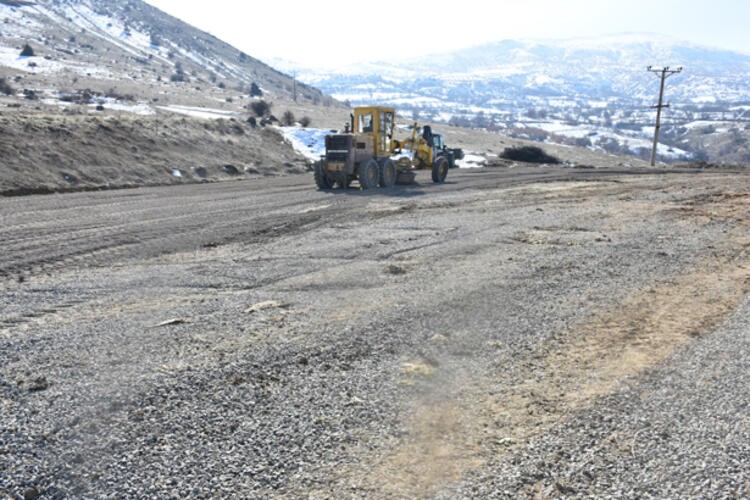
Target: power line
664, 73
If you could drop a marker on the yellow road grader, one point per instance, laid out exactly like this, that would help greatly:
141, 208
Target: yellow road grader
369, 153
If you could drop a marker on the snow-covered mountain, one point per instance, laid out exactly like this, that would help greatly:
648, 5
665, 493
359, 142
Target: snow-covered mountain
128, 45
594, 92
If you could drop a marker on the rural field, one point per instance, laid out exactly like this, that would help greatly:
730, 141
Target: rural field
515, 332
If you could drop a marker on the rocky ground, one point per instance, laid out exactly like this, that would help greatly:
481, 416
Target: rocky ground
514, 332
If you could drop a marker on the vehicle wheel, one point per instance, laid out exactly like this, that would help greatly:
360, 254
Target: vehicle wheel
368, 174
439, 170
388, 173
321, 179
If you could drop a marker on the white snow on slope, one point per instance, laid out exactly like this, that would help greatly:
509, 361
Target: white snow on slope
206, 113
15, 21
142, 109
309, 142
109, 29
9, 57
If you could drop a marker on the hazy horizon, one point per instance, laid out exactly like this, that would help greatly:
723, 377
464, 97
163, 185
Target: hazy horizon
331, 33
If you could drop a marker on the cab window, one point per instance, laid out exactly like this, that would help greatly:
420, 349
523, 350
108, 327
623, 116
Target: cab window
365, 123
386, 118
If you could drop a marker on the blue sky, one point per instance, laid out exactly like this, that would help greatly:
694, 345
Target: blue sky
309, 32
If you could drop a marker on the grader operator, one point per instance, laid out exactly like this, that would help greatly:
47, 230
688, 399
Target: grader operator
371, 155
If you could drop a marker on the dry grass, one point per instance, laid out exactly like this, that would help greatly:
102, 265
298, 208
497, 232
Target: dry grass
45, 152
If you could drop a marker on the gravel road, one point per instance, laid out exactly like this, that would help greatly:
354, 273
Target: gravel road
514, 332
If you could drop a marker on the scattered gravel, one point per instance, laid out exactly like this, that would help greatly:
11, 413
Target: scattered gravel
491, 337
681, 430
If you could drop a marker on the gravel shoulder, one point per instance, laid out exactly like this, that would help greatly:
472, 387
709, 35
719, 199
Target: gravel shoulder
514, 332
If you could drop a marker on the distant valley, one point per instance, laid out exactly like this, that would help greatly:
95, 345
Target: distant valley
587, 92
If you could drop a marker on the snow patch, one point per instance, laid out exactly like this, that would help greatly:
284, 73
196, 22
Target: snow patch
205, 113
137, 109
110, 29
309, 142
471, 161
9, 57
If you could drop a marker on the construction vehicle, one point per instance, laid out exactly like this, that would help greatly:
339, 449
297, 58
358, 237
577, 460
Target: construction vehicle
368, 152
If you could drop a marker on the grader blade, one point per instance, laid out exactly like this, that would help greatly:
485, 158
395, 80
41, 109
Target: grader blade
406, 177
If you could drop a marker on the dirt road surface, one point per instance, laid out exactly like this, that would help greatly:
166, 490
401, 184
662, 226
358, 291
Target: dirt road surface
513, 332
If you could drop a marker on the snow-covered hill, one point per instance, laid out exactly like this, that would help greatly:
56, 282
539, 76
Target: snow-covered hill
592, 92
131, 47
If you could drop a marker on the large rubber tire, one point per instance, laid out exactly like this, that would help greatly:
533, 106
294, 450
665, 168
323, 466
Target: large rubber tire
439, 170
321, 180
369, 174
388, 173
448, 155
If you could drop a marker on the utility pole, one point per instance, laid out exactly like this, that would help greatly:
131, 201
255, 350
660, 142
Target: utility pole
294, 85
664, 73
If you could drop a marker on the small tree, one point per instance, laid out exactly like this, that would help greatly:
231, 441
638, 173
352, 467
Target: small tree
260, 108
305, 121
27, 51
287, 118
179, 73
5, 87
255, 90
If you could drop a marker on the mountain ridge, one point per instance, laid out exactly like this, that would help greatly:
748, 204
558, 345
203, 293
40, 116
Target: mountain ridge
130, 41
515, 85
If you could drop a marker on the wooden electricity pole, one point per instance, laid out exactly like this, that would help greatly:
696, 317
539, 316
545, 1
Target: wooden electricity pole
294, 85
664, 73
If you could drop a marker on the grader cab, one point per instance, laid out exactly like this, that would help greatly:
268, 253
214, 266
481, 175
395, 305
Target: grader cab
371, 155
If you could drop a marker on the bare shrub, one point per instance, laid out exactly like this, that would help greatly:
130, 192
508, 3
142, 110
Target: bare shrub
5, 87
287, 118
261, 108
528, 154
305, 121
179, 73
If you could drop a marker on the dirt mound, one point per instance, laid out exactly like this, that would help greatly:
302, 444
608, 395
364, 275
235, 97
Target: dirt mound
47, 153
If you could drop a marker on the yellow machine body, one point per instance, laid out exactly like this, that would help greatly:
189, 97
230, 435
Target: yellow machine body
368, 152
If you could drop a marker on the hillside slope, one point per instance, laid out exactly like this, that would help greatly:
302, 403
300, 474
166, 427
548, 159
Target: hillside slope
130, 47
118, 94
44, 153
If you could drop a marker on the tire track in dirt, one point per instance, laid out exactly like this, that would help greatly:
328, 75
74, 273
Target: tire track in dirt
104, 238
472, 418
51, 232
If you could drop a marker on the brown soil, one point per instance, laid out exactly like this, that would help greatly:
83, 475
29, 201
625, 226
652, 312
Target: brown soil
44, 153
